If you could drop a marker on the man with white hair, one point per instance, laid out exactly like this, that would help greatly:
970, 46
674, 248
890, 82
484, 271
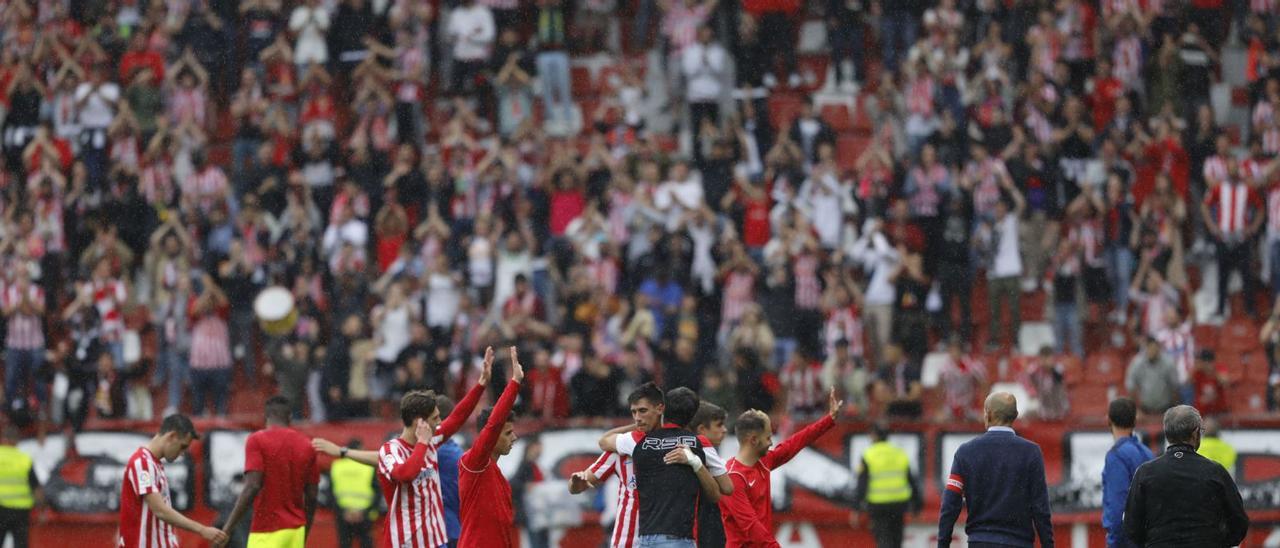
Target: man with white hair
1182, 498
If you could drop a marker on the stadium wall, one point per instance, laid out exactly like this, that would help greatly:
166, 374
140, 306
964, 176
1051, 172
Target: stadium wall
812, 494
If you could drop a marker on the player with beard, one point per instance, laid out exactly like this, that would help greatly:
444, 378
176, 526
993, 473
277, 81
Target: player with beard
647, 406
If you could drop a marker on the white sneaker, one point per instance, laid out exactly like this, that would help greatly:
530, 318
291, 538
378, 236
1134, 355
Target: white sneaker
169, 411
770, 81
849, 86
794, 80
1028, 285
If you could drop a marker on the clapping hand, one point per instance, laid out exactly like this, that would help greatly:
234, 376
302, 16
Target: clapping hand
833, 406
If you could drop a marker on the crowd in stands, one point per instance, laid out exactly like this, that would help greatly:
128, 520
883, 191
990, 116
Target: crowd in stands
758, 199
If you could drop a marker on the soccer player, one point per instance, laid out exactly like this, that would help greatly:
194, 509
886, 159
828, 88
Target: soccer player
147, 518
747, 513
708, 423
646, 409
487, 514
408, 469
668, 495
280, 465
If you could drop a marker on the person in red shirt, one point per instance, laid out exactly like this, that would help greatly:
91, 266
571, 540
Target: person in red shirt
280, 465
748, 512
1209, 383
147, 517
485, 496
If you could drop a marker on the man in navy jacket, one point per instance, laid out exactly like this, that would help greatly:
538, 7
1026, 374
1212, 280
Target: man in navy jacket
1123, 460
999, 478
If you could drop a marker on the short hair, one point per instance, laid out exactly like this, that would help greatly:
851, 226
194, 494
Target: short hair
708, 414
751, 421
647, 391
445, 405
1181, 423
880, 431
483, 418
418, 404
179, 423
682, 404
278, 409
1122, 412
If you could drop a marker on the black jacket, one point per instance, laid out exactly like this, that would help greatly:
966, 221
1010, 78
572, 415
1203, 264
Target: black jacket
1183, 499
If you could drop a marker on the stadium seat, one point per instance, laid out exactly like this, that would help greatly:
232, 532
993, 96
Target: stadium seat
581, 83
1104, 368
1240, 334
783, 109
1089, 400
1206, 336
1256, 368
931, 369
1033, 336
838, 117
1248, 398
849, 147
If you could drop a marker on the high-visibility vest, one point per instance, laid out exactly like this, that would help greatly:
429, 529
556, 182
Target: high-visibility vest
887, 474
15, 482
1218, 451
352, 484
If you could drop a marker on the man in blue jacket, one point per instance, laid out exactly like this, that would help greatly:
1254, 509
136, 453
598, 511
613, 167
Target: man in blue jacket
449, 452
1123, 460
999, 478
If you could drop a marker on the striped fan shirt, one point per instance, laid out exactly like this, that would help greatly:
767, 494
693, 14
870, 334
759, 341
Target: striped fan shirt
626, 520
139, 528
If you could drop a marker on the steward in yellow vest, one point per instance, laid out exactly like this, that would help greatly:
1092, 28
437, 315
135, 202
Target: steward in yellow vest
355, 498
19, 489
886, 488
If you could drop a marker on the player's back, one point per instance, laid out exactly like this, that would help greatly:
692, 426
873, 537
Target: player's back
288, 465
668, 495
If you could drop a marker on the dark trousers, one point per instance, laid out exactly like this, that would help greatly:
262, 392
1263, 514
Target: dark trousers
1238, 258
213, 385
349, 533
14, 523
886, 523
702, 111
954, 284
777, 38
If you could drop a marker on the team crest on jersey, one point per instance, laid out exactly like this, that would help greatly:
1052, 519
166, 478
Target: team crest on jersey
426, 474
388, 461
144, 479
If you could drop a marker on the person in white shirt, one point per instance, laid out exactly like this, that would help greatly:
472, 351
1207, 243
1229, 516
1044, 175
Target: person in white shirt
309, 22
880, 260
347, 230
1004, 269
472, 31
704, 65
681, 193
97, 101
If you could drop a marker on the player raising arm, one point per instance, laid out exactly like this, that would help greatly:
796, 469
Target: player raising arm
747, 513
486, 511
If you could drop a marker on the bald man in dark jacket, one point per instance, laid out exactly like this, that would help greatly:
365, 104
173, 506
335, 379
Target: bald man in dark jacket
1182, 499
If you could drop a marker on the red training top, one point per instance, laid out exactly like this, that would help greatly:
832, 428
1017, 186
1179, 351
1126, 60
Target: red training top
288, 466
747, 513
485, 496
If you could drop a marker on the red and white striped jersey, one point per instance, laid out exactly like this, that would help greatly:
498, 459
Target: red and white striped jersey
25, 331
1179, 345
1235, 203
1264, 7
808, 288
415, 509
1215, 168
844, 323
108, 297
803, 383
206, 187
739, 290
139, 528
1273, 209
1126, 59
626, 520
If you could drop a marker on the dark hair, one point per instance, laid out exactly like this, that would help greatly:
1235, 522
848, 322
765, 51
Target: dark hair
483, 418
445, 405
278, 409
682, 404
419, 404
708, 414
750, 422
879, 431
179, 423
1122, 412
647, 391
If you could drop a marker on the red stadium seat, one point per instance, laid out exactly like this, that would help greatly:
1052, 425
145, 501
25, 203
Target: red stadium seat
1089, 400
1105, 368
1247, 398
1240, 334
849, 147
1206, 336
783, 109
838, 117
581, 83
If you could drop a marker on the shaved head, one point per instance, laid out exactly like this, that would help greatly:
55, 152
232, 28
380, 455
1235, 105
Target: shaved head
1000, 409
